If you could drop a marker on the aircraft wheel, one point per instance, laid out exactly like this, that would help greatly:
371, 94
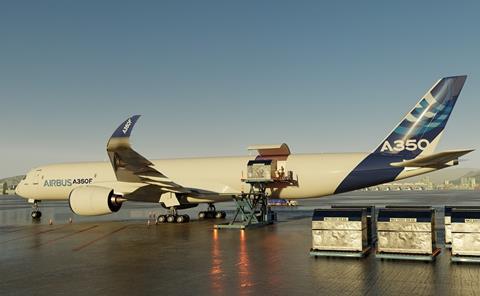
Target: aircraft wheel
161, 219
36, 214
218, 215
187, 218
170, 218
201, 215
181, 219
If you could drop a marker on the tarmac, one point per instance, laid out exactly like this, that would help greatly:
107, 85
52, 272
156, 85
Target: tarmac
122, 254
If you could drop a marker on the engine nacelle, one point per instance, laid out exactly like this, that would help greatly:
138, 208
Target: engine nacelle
93, 201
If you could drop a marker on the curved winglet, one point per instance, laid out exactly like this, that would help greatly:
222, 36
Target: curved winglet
121, 136
125, 129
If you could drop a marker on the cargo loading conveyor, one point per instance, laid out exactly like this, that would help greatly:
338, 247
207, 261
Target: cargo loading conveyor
266, 172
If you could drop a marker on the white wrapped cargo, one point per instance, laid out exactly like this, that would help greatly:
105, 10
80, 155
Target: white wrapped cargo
406, 231
260, 170
371, 223
339, 230
465, 232
448, 221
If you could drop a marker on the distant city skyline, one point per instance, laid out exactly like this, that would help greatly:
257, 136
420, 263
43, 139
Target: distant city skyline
211, 78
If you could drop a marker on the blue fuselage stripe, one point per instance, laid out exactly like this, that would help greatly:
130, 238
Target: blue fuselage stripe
373, 170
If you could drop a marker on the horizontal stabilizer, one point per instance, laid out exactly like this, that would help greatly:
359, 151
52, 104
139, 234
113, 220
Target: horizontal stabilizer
436, 160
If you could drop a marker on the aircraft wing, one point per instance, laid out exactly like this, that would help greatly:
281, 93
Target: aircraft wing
436, 160
130, 166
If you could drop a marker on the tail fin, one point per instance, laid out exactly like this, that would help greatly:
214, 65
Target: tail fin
421, 129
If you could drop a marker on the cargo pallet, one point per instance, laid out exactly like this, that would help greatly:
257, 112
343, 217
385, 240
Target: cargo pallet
252, 209
404, 256
463, 258
350, 254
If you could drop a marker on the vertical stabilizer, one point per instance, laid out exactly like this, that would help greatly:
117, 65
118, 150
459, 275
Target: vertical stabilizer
417, 134
421, 129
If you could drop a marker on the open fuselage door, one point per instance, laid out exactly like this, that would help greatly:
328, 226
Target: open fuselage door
270, 165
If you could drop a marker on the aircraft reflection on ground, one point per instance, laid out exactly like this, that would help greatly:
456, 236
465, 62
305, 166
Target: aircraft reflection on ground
216, 271
243, 263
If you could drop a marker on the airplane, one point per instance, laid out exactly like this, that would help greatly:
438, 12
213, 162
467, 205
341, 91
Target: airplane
99, 188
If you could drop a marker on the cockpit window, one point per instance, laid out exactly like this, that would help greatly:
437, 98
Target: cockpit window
24, 177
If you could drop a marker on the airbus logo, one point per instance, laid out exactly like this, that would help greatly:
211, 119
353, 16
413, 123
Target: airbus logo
401, 145
127, 126
66, 182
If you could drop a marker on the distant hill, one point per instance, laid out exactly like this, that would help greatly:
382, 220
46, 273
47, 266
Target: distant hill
12, 180
472, 174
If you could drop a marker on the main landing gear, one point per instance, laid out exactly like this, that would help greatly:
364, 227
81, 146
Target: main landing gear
173, 217
36, 214
211, 213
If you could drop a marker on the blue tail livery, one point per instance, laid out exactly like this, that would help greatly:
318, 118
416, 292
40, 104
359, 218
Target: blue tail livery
417, 135
421, 129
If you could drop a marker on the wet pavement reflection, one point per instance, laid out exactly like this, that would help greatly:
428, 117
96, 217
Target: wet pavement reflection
121, 254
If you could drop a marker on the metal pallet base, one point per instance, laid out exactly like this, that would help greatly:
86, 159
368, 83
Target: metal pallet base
350, 254
414, 257
462, 258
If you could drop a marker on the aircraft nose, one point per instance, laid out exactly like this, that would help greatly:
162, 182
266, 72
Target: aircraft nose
18, 190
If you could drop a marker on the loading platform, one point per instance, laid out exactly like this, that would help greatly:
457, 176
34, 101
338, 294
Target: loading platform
266, 171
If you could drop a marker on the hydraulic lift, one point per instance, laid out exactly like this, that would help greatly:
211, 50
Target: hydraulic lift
252, 209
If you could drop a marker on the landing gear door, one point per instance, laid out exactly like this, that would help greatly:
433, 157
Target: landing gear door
169, 199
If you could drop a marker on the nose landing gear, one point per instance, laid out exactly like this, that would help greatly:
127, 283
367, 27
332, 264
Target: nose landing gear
36, 214
211, 213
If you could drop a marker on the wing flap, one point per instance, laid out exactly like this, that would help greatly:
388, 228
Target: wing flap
436, 160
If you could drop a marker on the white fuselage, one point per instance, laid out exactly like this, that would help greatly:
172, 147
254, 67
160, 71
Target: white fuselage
316, 175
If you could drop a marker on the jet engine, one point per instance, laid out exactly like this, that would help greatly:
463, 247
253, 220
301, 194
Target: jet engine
93, 200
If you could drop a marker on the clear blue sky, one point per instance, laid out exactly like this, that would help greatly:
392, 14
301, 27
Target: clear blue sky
212, 77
